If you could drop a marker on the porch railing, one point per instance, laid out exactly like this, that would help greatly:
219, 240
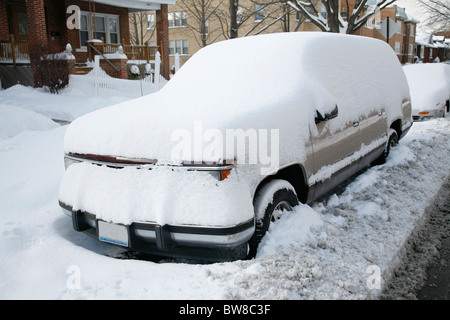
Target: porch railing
134, 52
14, 51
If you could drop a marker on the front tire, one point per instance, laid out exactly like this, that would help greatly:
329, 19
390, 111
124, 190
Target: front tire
284, 198
392, 142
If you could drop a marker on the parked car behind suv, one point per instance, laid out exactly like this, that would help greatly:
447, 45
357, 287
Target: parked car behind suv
429, 85
246, 130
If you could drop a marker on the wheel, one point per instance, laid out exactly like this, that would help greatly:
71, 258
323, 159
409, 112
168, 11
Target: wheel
392, 142
272, 201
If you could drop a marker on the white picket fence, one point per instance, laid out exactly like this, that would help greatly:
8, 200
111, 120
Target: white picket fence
98, 83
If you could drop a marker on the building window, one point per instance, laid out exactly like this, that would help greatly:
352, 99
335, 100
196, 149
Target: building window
369, 23
113, 28
323, 11
298, 15
259, 12
411, 48
397, 47
411, 28
178, 46
22, 23
399, 27
106, 27
239, 15
151, 21
177, 19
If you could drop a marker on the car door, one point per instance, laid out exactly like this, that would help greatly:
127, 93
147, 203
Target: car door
333, 155
373, 136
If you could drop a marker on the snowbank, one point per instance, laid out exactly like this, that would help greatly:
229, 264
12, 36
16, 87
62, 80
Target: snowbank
15, 120
69, 104
429, 84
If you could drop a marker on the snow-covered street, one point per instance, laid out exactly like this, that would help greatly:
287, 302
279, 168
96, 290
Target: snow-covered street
345, 246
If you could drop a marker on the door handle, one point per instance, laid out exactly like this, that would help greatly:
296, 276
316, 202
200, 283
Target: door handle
355, 123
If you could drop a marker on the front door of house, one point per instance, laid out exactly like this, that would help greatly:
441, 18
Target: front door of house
19, 22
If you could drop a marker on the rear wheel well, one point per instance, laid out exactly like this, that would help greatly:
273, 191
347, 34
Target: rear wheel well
397, 126
295, 175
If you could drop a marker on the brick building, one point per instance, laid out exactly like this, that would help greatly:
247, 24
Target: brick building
404, 31
39, 27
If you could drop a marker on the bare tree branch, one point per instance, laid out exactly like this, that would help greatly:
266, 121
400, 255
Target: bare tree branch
356, 17
437, 14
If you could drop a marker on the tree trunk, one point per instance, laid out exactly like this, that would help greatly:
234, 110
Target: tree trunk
234, 5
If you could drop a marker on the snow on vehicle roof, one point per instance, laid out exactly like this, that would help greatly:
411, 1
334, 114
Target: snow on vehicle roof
274, 81
429, 84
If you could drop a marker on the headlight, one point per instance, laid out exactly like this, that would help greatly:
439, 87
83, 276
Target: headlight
68, 161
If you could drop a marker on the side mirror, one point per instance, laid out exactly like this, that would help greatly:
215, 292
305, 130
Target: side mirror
327, 116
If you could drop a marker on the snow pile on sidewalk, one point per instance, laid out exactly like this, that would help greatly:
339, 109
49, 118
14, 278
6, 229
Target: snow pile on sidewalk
70, 104
15, 120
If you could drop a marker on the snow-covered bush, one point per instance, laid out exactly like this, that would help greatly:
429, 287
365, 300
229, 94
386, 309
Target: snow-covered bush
135, 72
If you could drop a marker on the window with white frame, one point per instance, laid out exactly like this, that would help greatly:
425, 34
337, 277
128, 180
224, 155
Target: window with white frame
104, 26
178, 46
259, 12
411, 31
369, 23
411, 49
177, 19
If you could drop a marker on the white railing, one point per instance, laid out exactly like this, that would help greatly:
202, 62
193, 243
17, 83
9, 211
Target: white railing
98, 83
14, 52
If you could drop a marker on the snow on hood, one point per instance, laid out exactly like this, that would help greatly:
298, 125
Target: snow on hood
272, 82
429, 84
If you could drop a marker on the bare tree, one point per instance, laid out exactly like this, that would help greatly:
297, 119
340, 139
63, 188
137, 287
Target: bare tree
141, 28
201, 12
238, 13
326, 14
438, 14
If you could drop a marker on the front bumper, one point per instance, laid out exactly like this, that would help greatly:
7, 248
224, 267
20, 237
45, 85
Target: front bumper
192, 242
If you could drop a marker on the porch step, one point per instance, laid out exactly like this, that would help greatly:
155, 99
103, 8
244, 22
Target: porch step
81, 68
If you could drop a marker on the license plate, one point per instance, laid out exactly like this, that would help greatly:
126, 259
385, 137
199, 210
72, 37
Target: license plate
113, 233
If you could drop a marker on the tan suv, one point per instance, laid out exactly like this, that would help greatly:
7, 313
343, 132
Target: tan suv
244, 131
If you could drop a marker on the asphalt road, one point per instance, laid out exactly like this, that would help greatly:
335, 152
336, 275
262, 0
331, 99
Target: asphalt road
425, 271
437, 285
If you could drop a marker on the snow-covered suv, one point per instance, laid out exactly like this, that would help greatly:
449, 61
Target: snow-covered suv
244, 131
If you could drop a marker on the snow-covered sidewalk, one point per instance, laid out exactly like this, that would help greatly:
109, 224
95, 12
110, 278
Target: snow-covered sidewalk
345, 246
